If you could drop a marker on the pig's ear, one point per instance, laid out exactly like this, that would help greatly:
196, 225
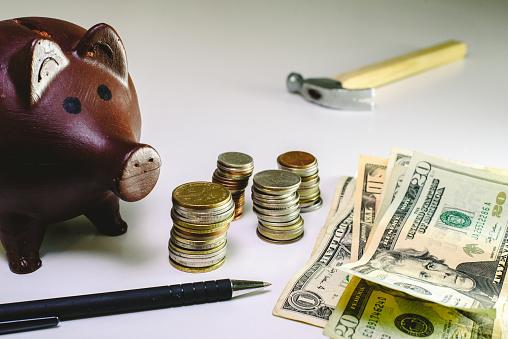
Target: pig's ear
101, 44
47, 60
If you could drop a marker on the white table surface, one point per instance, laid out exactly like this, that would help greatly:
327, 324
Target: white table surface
210, 77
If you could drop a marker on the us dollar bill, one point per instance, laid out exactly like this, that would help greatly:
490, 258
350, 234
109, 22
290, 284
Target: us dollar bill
371, 177
368, 310
313, 292
343, 193
444, 238
399, 157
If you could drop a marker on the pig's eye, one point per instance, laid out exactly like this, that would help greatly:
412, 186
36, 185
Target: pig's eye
72, 105
104, 92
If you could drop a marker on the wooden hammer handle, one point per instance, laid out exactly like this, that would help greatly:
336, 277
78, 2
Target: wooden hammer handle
403, 66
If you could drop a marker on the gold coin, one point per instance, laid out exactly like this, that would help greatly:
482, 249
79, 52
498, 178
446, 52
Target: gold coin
197, 242
206, 232
297, 159
201, 195
281, 242
196, 236
197, 269
279, 235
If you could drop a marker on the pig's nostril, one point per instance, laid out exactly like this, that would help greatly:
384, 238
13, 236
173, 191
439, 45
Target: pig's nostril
138, 177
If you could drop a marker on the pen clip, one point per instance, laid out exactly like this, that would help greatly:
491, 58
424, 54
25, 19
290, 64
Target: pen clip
21, 325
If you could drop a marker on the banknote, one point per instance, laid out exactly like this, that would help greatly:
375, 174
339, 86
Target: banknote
371, 177
395, 171
343, 193
314, 291
398, 157
391, 188
444, 238
369, 310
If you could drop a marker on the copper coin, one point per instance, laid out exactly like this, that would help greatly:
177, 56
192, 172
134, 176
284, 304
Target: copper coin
297, 159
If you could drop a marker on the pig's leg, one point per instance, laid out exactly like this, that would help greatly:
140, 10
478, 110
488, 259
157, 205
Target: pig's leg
22, 238
106, 216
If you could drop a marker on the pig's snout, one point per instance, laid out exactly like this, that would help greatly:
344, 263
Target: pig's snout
139, 174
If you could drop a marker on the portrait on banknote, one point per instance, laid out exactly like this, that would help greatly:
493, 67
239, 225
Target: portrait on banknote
473, 279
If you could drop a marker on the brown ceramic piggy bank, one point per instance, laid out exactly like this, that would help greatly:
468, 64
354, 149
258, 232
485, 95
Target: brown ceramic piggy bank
69, 133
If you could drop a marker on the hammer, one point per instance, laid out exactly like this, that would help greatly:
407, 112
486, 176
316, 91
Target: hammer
352, 90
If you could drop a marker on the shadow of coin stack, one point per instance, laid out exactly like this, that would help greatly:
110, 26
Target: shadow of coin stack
201, 213
305, 165
277, 206
233, 172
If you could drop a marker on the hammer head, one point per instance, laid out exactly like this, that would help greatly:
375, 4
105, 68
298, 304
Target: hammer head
329, 93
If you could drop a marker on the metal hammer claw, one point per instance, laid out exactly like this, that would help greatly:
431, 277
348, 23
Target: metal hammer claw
352, 90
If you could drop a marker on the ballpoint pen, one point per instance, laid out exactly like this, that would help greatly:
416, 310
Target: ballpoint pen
28, 315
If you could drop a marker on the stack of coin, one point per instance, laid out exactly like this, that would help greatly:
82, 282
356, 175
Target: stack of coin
233, 172
277, 206
305, 165
201, 213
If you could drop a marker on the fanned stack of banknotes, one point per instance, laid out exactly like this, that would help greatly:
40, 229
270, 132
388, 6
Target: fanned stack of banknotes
414, 246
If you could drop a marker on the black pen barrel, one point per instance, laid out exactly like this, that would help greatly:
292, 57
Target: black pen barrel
92, 305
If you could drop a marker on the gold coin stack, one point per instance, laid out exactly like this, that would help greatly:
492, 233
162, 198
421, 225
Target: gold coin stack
276, 204
233, 172
305, 165
201, 213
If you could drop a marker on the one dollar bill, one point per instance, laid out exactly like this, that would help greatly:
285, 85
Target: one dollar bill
312, 293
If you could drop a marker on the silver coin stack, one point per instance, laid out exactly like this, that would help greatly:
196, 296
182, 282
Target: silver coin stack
233, 172
277, 206
305, 165
201, 213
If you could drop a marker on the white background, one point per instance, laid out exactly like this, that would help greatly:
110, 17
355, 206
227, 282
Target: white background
210, 77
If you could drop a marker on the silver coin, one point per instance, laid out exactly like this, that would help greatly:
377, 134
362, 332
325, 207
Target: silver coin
261, 195
279, 211
195, 262
302, 172
310, 183
212, 210
206, 212
273, 204
314, 207
202, 254
275, 192
196, 245
203, 220
271, 224
236, 160
283, 227
310, 177
276, 181
278, 218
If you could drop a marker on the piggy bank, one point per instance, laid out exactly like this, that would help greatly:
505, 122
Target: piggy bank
69, 133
